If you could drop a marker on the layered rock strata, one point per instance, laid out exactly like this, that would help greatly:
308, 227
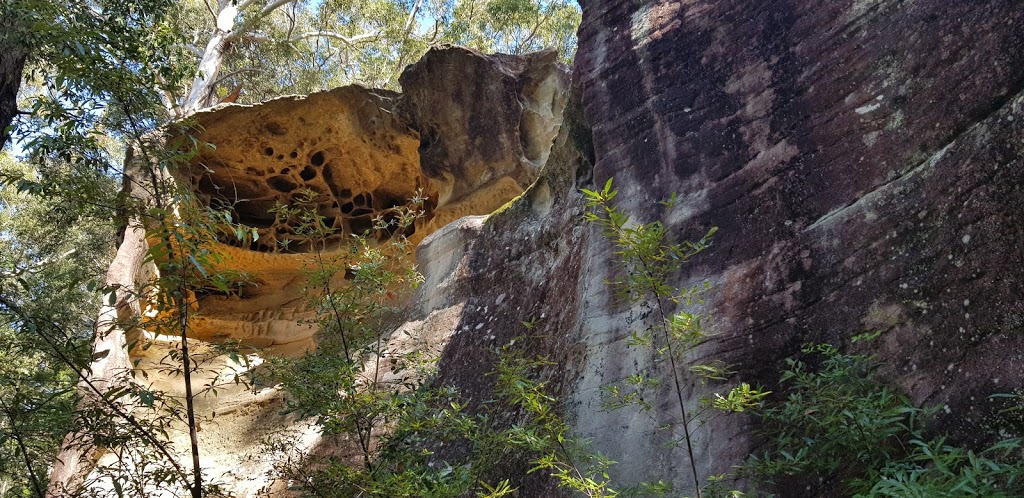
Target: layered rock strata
862, 161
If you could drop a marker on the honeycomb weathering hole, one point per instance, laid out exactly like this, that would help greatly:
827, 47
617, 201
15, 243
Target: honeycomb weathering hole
308, 173
281, 183
269, 151
317, 159
361, 225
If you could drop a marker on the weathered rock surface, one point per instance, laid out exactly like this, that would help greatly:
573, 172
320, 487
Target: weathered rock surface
361, 152
346, 145
863, 163
469, 133
861, 158
477, 144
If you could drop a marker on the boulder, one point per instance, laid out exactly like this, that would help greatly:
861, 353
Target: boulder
483, 144
469, 133
359, 153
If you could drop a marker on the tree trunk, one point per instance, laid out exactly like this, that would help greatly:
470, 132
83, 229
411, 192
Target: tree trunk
12, 63
111, 366
209, 67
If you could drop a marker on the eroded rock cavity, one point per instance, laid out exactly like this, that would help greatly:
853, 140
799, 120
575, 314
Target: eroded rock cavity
469, 133
345, 145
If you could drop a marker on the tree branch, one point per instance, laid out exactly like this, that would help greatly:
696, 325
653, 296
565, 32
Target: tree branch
405, 39
348, 40
210, 10
335, 36
533, 32
236, 73
220, 80
270, 7
34, 267
194, 49
170, 101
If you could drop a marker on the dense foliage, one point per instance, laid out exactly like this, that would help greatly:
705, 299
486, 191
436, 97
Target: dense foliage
43, 276
840, 428
305, 46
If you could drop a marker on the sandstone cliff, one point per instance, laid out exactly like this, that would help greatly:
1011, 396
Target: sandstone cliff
861, 158
863, 163
469, 133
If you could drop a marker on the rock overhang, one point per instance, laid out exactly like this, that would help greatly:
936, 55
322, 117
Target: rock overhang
345, 145
468, 133
362, 151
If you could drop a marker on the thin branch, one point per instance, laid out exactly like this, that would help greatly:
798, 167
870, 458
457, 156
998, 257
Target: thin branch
437, 31
256, 37
270, 7
533, 32
213, 87
189, 397
84, 379
405, 39
236, 73
336, 36
170, 101
159, 195
210, 10
195, 50
291, 15
34, 267
18, 435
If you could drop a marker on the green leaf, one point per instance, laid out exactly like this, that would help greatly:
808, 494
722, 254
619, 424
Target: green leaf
198, 266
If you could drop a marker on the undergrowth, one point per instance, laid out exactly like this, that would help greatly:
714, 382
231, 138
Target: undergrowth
841, 431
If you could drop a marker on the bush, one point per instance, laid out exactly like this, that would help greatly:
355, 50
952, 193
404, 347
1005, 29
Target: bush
841, 428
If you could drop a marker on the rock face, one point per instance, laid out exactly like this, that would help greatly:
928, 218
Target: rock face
861, 158
476, 144
468, 141
863, 162
346, 145
361, 153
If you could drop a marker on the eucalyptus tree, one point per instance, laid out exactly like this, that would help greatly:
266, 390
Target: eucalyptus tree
264, 48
